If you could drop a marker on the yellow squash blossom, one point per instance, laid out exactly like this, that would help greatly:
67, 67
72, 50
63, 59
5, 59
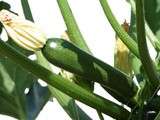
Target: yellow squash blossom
122, 53
25, 33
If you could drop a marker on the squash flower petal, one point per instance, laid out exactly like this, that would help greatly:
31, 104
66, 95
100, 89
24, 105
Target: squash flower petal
25, 33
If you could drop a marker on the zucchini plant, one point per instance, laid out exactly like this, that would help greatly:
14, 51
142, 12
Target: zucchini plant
134, 82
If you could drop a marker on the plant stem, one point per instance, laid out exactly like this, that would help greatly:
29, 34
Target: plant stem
72, 27
64, 85
26, 10
142, 45
127, 40
100, 115
75, 37
157, 117
153, 39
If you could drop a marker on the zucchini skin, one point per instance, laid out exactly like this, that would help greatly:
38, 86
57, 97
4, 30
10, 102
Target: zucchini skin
65, 55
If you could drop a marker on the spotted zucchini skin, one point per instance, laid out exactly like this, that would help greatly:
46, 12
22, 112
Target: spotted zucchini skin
71, 58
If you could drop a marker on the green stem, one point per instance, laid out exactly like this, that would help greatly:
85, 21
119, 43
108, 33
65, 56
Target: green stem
157, 117
27, 10
72, 27
76, 37
142, 45
64, 85
153, 39
100, 115
42, 61
127, 40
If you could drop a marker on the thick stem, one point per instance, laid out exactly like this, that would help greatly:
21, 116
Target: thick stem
142, 45
153, 39
64, 85
72, 27
75, 37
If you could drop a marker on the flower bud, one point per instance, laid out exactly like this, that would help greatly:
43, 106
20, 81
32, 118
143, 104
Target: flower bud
25, 33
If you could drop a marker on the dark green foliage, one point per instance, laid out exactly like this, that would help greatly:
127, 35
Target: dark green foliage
14, 80
152, 15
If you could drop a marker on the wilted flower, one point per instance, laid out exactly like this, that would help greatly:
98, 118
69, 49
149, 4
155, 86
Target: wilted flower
122, 54
25, 33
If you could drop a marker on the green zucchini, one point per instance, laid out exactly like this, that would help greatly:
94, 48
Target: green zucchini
69, 57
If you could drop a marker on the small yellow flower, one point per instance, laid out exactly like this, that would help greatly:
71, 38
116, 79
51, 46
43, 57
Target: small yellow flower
25, 33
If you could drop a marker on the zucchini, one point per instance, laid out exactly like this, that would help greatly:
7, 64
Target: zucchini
71, 58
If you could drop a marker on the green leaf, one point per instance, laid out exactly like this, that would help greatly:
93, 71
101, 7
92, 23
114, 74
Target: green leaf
154, 104
152, 15
37, 97
149, 33
8, 106
14, 80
